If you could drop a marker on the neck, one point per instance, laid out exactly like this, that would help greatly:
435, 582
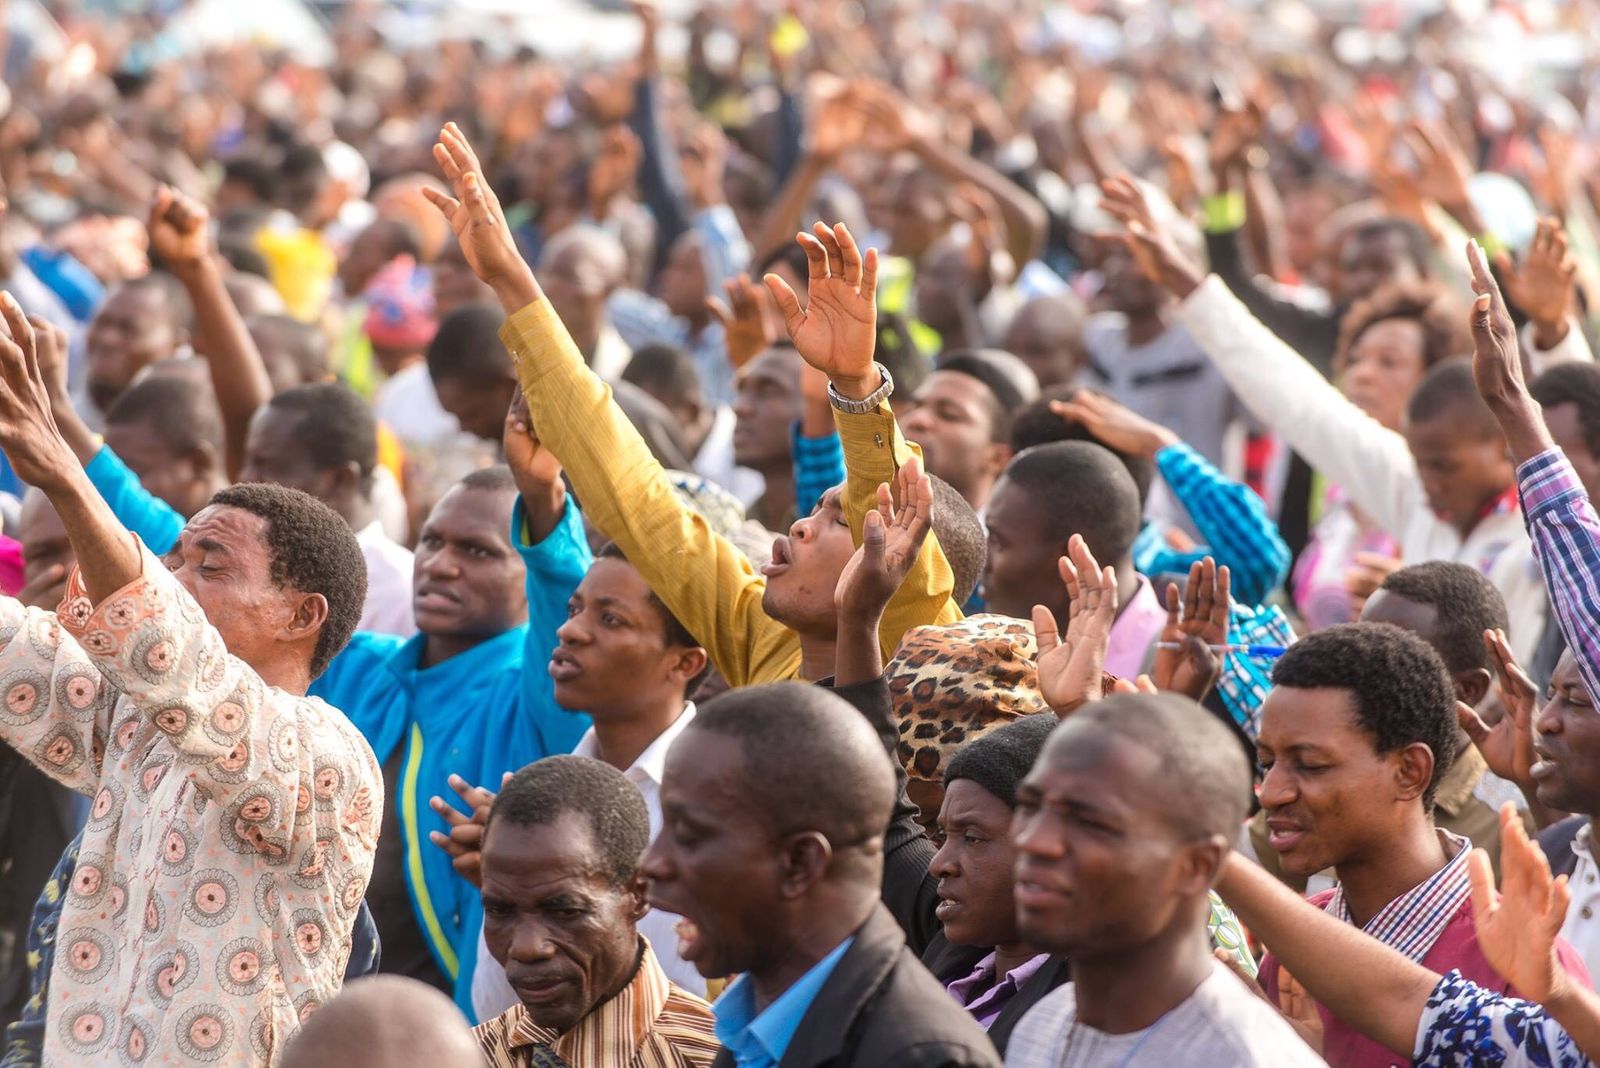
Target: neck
1127, 586
1409, 857
357, 511
294, 678
1147, 326
394, 363
1467, 524
698, 321
1130, 990
623, 735
437, 648
813, 937
1011, 956
817, 657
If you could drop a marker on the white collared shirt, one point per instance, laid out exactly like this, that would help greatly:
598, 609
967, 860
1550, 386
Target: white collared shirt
492, 995
1582, 925
389, 567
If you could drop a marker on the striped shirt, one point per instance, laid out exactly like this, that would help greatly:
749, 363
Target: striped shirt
1412, 922
1565, 531
650, 1024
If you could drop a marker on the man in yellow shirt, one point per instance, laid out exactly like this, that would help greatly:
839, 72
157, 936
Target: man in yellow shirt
778, 623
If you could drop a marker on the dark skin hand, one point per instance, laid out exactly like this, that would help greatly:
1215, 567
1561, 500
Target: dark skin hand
464, 843
1498, 368
891, 539
1072, 664
1196, 620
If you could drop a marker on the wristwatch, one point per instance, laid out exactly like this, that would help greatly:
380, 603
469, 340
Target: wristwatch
866, 404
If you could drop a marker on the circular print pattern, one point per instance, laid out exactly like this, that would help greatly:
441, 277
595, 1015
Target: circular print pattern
212, 899
205, 1032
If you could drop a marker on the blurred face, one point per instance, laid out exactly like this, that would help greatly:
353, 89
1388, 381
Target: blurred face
479, 406
613, 648
1383, 369
372, 248
280, 351
469, 579
577, 282
222, 559
715, 862
1021, 564
976, 867
556, 919
681, 286
1099, 868
275, 451
1462, 471
952, 418
1329, 795
44, 545
1127, 290
455, 286
1566, 743
1565, 427
1049, 340
765, 407
182, 480
943, 287
133, 329
1367, 261
917, 215
806, 566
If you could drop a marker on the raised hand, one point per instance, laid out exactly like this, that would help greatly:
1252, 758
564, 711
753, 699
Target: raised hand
837, 331
891, 539
1114, 425
1194, 625
840, 124
1507, 747
749, 320
177, 229
1072, 665
1365, 575
28, 431
1157, 255
1517, 929
50, 350
479, 223
1235, 131
1497, 359
464, 843
616, 164
1541, 284
1443, 170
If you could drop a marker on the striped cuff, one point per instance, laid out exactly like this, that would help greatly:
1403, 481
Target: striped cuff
1547, 482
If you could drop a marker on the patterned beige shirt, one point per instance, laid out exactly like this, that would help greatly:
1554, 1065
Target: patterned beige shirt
230, 840
650, 1024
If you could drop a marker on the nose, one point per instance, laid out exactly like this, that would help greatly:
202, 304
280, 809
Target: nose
531, 942
915, 421
1547, 720
743, 406
800, 529
1031, 836
438, 564
572, 632
656, 866
1277, 788
943, 865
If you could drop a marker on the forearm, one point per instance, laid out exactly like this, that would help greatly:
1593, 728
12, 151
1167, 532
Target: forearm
238, 375
1024, 216
857, 656
1577, 1009
785, 216
818, 464
1360, 980
1096, 152
1263, 222
542, 505
1565, 531
1522, 422
1232, 522
108, 556
660, 180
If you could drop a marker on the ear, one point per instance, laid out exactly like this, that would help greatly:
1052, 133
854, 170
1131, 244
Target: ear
1473, 685
1200, 863
341, 480
999, 456
310, 613
637, 903
802, 862
203, 459
1413, 767
688, 663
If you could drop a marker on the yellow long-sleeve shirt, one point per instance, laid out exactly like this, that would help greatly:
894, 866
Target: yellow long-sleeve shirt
705, 581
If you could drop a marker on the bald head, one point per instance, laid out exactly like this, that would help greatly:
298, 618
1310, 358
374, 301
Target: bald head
384, 1021
811, 762
1047, 335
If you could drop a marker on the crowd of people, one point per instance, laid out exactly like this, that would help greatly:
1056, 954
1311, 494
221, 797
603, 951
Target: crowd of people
931, 534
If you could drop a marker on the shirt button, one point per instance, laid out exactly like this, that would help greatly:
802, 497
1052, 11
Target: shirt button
1586, 912
877, 439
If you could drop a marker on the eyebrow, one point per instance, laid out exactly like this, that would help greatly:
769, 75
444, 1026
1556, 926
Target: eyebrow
212, 545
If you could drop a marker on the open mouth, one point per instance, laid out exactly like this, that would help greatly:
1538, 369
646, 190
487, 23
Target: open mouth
1284, 835
782, 558
563, 666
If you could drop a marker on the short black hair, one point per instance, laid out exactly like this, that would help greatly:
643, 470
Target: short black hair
1449, 390
339, 427
1077, 487
962, 539
496, 478
666, 372
1419, 247
541, 793
677, 635
1035, 424
1577, 384
1205, 775
308, 345
811, 762
260, 177
1400, 691
182, 412
468, 346
1465, 602
313, 550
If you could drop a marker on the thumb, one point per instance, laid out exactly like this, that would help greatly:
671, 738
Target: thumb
1045, 634
720, 311
1483, 318
1470, 722
873, 537
788, 304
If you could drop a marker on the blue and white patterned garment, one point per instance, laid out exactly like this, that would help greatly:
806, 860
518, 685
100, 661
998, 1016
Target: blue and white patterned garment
1464, 1024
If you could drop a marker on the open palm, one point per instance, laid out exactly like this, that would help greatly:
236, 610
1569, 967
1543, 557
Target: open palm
1517, 929
474, 213
837, 331
1507, 747
1195, 623
1072, 665
891, 540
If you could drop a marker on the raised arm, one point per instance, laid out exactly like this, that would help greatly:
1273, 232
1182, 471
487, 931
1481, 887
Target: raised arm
179, 237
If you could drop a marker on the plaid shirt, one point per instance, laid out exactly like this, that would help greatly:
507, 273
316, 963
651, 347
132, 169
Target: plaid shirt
1565, 531
1412, 922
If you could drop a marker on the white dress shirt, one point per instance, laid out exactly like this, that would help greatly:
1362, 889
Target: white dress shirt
389, 566
492, 995
1582, 925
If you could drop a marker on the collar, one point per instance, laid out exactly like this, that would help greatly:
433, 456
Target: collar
962, 989
1412, 922
1583, 843
1136, 627
482, 661
1505, 502
372, 532
739, 1026
652, 763
612, 1033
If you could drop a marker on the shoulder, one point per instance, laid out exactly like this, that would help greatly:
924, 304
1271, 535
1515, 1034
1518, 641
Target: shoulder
1224, 1011
1043, 1027
912, 1022
494, 1037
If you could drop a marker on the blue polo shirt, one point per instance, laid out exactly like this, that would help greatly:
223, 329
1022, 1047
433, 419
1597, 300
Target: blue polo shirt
760, 1041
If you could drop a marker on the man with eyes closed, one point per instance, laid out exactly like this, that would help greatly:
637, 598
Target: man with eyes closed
1356, 733
470, 695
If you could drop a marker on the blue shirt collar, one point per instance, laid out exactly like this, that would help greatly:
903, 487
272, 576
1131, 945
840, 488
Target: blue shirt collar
760, 1040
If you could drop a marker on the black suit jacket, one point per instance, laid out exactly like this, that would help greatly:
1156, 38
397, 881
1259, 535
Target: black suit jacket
950, 962
882, 1008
